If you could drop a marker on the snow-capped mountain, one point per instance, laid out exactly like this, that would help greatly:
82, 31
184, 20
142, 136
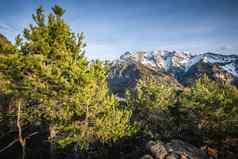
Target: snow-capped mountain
179, 67
172, 61
159, 59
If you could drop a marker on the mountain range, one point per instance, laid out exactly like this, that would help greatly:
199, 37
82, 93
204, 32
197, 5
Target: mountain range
173, 67
178, 68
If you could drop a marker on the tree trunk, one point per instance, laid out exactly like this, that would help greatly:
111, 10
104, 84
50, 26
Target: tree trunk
51, 141
76, 155
52, 150
21, 139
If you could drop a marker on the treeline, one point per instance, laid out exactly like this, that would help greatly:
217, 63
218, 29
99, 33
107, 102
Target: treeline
55, 103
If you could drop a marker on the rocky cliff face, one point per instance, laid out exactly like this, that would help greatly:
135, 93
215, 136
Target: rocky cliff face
179, 68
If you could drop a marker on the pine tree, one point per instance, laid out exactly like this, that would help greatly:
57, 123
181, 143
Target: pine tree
58, 86
213, 105
151, 104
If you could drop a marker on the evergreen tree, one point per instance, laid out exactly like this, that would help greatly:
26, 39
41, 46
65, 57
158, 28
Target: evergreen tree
57, 86
212, 105
5, 45
151, 104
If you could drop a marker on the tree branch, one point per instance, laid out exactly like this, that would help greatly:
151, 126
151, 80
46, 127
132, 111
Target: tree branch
16, 140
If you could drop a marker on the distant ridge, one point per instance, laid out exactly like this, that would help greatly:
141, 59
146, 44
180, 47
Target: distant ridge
178, 67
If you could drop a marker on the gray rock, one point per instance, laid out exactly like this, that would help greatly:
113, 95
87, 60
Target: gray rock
185, 149
175, 149
173, 155
158, 150
147, 157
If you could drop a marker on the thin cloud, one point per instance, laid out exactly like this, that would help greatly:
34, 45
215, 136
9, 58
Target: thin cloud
227, 49
7, 27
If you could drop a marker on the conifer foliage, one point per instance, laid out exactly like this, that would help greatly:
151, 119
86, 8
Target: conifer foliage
213, 105
151, 104
58, 87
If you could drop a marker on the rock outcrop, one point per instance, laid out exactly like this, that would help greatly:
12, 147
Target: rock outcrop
175, 149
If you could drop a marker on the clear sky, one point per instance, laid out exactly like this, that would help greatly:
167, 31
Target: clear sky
113, 27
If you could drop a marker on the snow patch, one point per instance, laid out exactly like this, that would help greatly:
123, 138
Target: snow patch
231, 68
192, 62
148, 62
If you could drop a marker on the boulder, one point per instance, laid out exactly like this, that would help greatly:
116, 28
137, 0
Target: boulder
185, 149
147, 157
158, 150
175, 149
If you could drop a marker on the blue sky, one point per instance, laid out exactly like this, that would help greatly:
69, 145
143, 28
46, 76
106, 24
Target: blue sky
113, 27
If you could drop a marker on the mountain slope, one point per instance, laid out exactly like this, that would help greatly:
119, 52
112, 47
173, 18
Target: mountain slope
170, 66
125, 73
213, 70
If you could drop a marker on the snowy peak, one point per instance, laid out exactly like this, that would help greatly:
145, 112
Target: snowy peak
228, 63
158, 59
179, 68
178, 63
